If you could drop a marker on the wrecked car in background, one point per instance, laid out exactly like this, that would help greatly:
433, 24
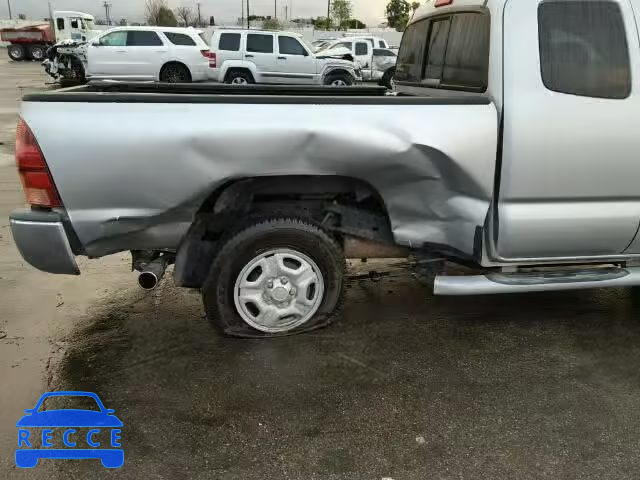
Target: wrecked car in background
515, 160
166, 54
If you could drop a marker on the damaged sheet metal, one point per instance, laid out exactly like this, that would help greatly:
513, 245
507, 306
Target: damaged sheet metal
133, 175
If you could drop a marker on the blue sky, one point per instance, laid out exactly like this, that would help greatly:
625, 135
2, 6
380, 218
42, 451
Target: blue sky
370, 11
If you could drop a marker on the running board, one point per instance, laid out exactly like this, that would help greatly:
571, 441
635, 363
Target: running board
536, 281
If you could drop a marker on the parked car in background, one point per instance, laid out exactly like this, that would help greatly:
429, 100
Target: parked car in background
149, 53
241, 57
31, 42
162, 54
376, 63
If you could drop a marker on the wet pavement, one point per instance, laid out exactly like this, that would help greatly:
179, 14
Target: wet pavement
404, 386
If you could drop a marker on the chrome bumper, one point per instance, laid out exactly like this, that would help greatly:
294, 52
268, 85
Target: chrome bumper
42, 241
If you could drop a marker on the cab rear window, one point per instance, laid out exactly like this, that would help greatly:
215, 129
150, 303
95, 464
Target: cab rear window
448, 52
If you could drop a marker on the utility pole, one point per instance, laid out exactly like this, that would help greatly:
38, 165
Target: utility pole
248, 16
329, 15
199, 17
9, 7
106, 12
275, 8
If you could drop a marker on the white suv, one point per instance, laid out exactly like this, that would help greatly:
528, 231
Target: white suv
149, 53
254, 56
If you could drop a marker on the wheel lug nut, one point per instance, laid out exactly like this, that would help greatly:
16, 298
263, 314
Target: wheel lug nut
270, 284
292, 292
284, 280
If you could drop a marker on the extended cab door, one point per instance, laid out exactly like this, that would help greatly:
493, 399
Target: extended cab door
569, 178
294, 64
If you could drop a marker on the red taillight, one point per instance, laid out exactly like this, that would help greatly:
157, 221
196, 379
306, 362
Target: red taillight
211, 56
36, 180
442, 3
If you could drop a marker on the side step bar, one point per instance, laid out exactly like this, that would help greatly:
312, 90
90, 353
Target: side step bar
537, 281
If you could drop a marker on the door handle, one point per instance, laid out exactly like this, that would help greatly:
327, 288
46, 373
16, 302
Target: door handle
282, 58
248, 56
121, 51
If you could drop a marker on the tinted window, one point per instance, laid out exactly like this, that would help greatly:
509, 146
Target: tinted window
437, 47
361, 49
411, 53
260, 43
229, 42
60, 23
74, 23
114, 39
583, 49
466, 61
141, 38
290, 46
180, 39
381, 44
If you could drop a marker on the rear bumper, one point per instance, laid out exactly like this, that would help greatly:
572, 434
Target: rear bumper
42, 241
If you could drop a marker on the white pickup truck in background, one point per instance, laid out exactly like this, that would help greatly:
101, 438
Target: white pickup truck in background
372, 57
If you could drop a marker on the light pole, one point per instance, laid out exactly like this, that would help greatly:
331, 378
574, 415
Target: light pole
248, 16
9, 7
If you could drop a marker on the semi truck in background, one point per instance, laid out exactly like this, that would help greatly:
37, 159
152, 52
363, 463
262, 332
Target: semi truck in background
31, 42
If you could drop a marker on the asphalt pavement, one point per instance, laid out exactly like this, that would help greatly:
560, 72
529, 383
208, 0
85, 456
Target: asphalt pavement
404, 386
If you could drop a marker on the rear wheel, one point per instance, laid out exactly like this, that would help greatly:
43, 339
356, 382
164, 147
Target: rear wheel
175, 73
388, 78
239, 77
275, 277
36, 52
16, 52
339, 80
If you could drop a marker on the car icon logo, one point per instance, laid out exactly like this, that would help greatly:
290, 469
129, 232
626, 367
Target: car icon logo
82, 433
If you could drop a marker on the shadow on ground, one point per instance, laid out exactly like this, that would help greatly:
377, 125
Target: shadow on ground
405, 385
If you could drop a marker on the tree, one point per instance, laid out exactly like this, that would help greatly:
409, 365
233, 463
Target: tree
123, 22
355, 24
185, 16
341, 11
398, 14
321, 23
158, 13
271, 24
414, 6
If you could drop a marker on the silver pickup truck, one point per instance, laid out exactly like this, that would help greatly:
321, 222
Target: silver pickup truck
508, 148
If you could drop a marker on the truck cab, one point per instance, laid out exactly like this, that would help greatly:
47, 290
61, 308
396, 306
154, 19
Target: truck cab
70, 25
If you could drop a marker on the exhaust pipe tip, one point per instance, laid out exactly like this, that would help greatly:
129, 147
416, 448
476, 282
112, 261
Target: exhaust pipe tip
148, 280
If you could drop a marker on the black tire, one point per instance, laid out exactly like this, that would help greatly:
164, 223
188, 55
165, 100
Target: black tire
175, 73
233, 76
387, 78
17, 52
37, 52
260, 236
339, 79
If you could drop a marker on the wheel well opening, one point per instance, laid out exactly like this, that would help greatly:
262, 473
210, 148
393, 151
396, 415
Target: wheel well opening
238, 69
174, 62
347, 207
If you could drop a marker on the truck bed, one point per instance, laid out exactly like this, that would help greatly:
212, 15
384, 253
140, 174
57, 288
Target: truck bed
134, 163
